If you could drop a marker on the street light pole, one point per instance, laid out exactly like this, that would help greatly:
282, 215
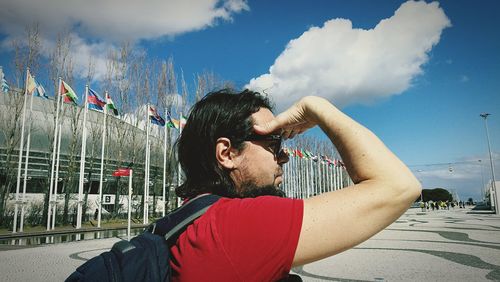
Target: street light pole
482, 181
494, 189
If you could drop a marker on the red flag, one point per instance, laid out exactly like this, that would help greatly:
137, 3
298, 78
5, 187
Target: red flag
122, 172
299, 153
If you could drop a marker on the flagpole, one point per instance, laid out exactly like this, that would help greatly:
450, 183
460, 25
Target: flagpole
147, 187
179, 164
320, 177
146, 180
26, 161
337, 173
311, 179
294, 175
129, 203
21, 146
164, 165
54, 207
105, 110
82, 161
54, 149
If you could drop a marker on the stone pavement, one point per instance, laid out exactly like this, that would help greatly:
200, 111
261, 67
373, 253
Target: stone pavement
438, 245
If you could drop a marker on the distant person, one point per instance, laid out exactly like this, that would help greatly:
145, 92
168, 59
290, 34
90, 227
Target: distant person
96, 214
231, 146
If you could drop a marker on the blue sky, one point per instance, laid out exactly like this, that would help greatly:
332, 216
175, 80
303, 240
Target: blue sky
418, 79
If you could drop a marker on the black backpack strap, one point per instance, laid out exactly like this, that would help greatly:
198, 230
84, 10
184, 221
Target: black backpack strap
146, 257
173, 224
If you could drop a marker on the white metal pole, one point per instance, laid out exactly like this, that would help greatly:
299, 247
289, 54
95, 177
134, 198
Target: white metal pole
26, 162
54, 152
82, 161
147, 187
179, 170
102, 163
495, 196
129, 203
337, 184
20, 160
321, 176
311, 179
146, 180
164, 166
54, 207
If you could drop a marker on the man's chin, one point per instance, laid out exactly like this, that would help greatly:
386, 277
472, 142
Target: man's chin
251, 190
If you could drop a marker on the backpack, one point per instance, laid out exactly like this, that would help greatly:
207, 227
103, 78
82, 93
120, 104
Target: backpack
146, 257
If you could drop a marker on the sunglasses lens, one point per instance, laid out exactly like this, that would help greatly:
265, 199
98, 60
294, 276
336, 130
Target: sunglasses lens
277, 148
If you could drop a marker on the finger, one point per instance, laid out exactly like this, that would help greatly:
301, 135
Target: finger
268, 127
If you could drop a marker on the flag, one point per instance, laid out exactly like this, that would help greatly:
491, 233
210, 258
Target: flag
306, 154
122, 171
5, 86
299, 154
172, 123
183, 121
155, 117
111, 105
30, 84
94, 101
40, 91
68, 93
176, 123
312, 156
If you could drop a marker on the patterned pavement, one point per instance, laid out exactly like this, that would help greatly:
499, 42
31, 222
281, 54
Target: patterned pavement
450, 245
447, 245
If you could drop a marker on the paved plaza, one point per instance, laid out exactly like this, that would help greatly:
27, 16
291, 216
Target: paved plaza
454, 245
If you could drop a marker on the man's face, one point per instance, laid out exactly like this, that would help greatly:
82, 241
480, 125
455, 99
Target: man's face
257, 165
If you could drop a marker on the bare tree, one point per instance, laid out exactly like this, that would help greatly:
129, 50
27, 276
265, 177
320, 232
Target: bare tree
61, 65
209, 81
26, 55
95, 134
118, 83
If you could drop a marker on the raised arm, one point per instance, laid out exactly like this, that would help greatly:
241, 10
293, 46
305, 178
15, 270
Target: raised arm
383, 189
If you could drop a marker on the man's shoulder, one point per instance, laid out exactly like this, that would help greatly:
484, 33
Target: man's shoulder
261, 201
259, 209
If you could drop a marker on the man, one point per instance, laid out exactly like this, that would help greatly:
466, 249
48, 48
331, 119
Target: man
231, 146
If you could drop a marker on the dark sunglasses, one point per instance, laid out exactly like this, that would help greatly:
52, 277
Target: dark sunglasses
274, 139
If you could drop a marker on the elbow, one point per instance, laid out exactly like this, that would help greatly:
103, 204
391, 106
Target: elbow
410, 189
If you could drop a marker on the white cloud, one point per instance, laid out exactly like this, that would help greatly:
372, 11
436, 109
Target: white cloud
118, 19
348, 65
109, 22
464, 78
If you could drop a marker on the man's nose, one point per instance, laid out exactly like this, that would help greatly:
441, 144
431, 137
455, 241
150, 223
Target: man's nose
282, 157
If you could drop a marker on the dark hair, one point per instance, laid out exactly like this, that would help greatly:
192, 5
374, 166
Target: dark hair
223, 113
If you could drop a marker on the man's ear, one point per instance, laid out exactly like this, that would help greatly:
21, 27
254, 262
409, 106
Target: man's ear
223, 153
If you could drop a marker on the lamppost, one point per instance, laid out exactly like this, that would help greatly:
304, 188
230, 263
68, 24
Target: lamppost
482, 181
494, 189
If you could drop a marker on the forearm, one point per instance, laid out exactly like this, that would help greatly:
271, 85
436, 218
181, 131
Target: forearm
365, 156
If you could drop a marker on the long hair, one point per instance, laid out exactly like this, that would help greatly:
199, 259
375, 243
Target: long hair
223, 113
